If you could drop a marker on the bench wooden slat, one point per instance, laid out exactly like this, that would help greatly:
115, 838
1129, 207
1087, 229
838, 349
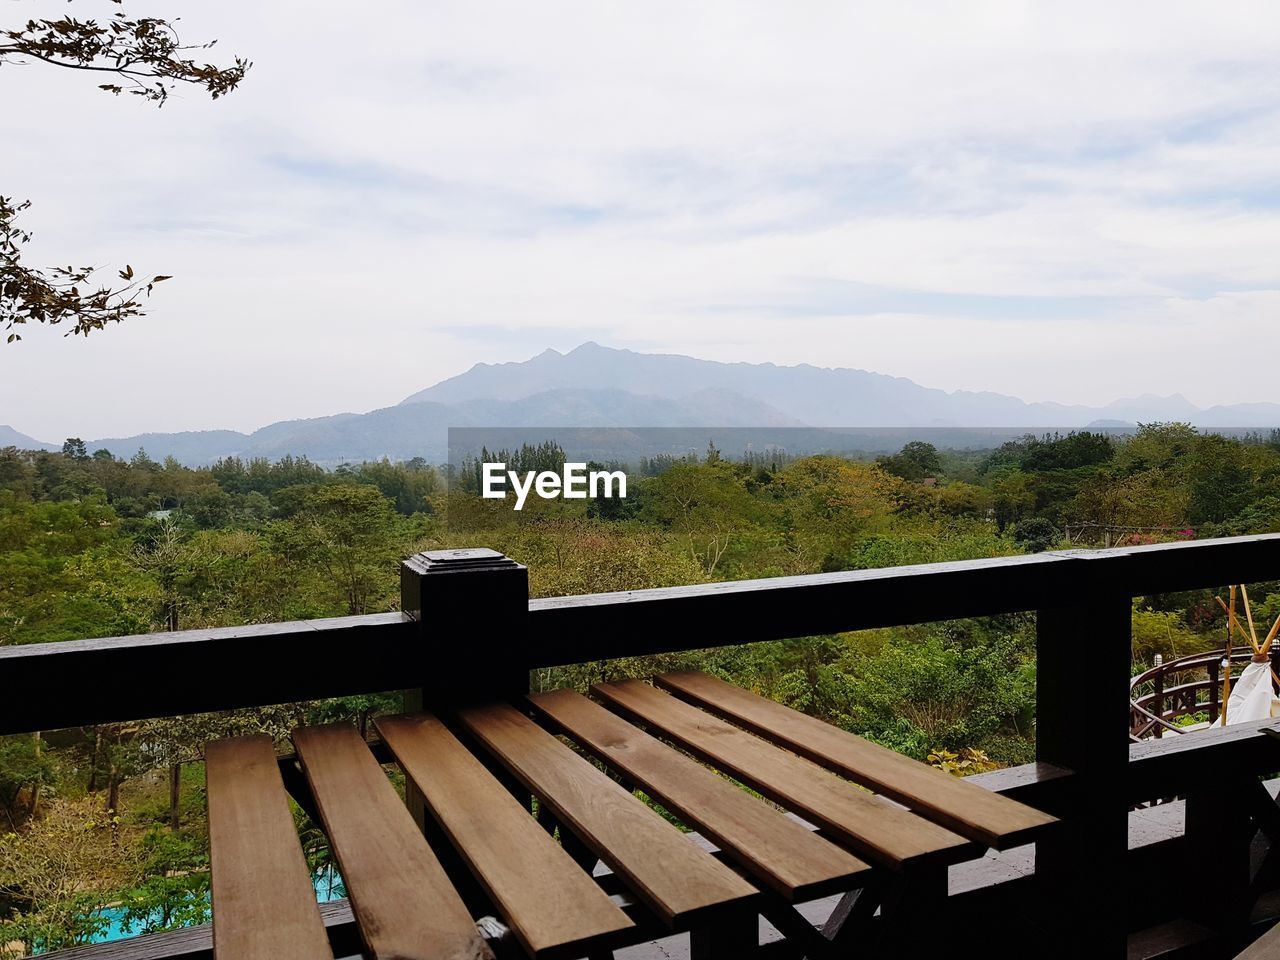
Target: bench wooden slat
553, 907
791, 859
264, 905
966, 808
403, 902
875, 828
681, 883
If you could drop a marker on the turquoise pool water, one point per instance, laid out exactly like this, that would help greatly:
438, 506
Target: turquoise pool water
328, 884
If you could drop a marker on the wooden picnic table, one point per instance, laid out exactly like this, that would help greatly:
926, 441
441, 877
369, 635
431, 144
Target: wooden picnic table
835, 814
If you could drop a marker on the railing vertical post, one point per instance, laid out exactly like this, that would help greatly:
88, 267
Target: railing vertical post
472, 610
1213, 692
472, 607
1219, 832
1158, 689
1082, 727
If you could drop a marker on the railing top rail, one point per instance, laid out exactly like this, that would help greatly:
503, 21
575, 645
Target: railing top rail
571, 629
114, 678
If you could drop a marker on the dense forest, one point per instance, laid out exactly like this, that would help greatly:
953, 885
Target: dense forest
102, 829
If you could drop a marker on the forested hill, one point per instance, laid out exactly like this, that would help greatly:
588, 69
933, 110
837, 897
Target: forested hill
72, 524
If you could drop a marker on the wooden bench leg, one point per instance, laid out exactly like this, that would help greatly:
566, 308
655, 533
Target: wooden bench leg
806, 940
1263, 809
848, 921
908, 913
847, 926
728, 940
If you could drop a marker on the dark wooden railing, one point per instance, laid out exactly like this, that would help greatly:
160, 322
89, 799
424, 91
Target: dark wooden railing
468, 629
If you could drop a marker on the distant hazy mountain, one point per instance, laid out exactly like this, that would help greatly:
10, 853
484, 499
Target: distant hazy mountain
612, 408
817, 396
10, 437
1239, 415
189, 446
421, 429
595, 386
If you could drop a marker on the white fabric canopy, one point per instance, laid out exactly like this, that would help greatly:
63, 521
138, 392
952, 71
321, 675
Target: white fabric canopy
1251, 696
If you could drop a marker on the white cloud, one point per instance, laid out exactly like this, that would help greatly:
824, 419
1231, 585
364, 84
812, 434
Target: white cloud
1069, 202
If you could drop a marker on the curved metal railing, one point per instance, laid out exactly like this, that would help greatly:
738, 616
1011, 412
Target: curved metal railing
1181, 687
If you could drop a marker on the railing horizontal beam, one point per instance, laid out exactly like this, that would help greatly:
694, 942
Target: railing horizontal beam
49, 686
634, 623
639, 622
1172, 766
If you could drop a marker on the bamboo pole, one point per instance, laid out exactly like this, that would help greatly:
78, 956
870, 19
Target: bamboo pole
1234, 621
1275, 629
1265, 647
1248, 612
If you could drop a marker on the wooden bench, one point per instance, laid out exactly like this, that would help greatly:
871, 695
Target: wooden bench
476, 771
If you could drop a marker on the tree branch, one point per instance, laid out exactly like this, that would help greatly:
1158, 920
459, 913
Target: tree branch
136, 51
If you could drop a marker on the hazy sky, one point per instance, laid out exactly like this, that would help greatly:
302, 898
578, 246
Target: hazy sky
1066, 201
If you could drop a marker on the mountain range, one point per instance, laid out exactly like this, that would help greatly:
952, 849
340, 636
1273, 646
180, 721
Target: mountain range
596, 386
